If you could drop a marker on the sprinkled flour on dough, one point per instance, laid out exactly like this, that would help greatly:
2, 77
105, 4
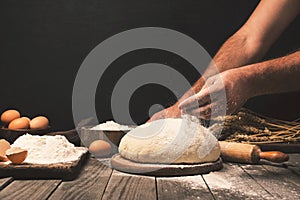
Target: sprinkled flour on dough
48, 149
181, 140
111, 125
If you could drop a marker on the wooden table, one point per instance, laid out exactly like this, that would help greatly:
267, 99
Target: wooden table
98, 181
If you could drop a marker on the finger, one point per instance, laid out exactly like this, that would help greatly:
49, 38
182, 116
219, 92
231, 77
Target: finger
203, 97
190, 102
196, 100
200, 115
157, 116
205, 117
202, 112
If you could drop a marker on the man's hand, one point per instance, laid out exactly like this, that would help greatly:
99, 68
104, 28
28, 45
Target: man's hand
171, 112
247, 46
174, 111
211, 98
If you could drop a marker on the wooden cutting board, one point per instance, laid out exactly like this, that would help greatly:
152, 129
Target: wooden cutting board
125, 165
65, 171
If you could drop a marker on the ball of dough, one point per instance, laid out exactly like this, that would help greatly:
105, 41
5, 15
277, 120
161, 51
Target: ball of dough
170, 141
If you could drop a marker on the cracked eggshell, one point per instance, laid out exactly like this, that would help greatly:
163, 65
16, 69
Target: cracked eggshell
16, 155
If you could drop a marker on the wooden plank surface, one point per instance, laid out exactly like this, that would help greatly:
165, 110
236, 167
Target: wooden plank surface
98, 181
185, 187
294, 159
274, 183
5, 181
126, 186
285, 174
233, 183
90, 184
294, 163
29, 189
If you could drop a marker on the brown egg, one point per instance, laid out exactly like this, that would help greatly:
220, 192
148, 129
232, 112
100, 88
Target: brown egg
27, 118
4, 145
39, 122
16, 155
20, 123
100, 148
9, 116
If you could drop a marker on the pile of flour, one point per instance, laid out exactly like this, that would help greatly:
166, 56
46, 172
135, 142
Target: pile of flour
111, 126
48, 149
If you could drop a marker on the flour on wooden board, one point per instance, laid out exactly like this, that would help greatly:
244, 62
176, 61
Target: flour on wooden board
48, 149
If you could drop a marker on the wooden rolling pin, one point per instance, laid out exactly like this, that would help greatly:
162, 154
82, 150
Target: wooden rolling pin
247, 153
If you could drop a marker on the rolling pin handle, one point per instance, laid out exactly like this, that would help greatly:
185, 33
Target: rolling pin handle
274, 156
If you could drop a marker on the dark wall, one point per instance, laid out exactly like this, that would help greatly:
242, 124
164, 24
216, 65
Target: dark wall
43, 43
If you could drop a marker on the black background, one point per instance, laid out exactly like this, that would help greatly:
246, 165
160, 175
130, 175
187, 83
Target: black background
43, 43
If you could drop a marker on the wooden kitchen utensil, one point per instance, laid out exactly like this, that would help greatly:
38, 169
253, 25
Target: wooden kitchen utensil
247, 153
152, 169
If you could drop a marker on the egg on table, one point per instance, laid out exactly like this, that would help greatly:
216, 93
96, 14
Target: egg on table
100, 148
20, 123
39, 122
9, 116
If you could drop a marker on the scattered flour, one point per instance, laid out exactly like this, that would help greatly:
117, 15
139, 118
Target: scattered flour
217, 180
111, 125
48, 149
188, 182
218, 184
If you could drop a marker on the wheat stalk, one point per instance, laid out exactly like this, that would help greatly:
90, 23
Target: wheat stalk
247, 126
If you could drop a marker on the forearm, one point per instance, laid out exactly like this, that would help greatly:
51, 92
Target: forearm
250, 43
238, 50
247, 46
274, 76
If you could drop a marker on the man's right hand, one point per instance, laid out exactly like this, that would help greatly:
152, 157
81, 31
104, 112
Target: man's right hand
171, 112
174, 111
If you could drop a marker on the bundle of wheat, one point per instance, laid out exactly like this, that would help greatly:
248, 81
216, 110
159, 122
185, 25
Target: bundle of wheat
249, 127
